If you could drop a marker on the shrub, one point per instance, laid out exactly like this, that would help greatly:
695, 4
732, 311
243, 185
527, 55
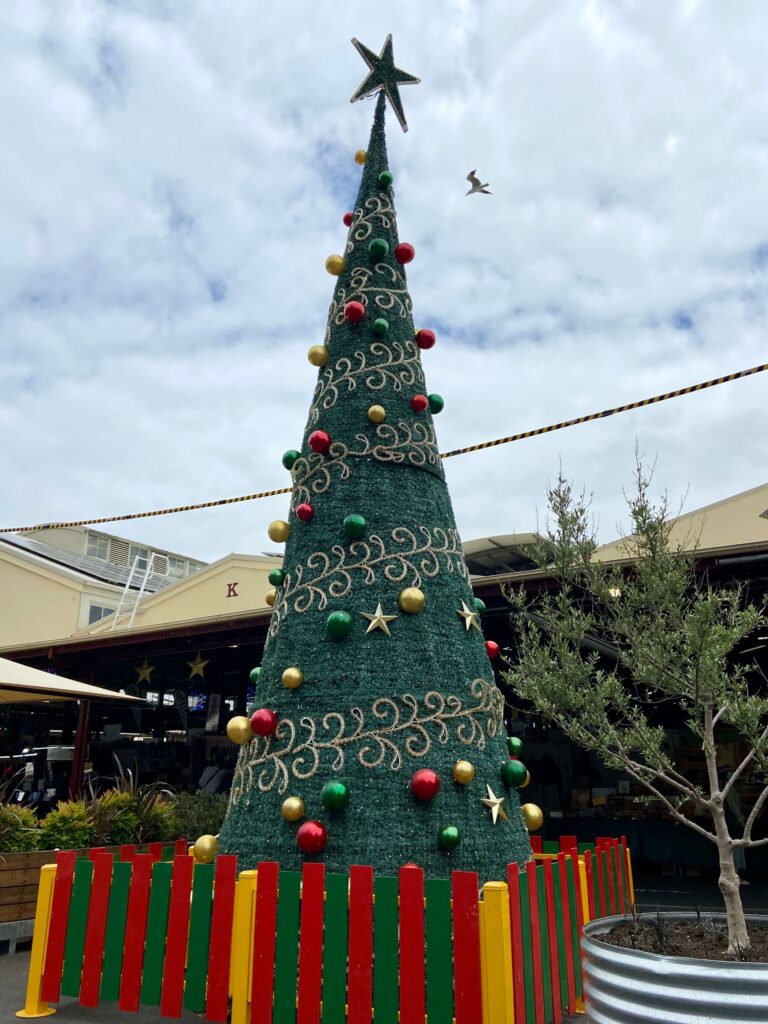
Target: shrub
198, 814
68, 827
19, 831
155, 818
115, 820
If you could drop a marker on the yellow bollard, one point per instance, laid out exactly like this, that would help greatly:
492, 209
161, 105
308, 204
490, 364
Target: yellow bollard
33, 1004
242, 946
496, 955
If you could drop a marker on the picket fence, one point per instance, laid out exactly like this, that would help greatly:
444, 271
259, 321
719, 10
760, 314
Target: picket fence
273, 947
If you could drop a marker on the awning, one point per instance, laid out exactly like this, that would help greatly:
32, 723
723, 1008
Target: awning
20, 683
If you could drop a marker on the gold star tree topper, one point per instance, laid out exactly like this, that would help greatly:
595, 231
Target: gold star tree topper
384, 76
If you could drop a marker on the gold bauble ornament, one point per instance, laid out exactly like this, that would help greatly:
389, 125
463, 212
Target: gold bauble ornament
279, 531
360, 156
270, 597
532, 816
205, 849
412, 600
335, 265
239, 729
377, 414
463, 772
293, 677
526, 781
293, 808
318, 355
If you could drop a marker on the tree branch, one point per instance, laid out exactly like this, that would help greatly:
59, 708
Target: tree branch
753, 814
673, 810
744, 764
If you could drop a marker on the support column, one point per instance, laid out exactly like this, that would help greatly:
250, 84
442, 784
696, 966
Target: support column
81, 749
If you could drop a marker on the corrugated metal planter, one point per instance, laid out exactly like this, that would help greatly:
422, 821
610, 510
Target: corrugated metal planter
625, 986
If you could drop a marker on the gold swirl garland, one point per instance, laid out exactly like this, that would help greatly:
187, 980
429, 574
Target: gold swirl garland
375, 209
387, 299
393, 725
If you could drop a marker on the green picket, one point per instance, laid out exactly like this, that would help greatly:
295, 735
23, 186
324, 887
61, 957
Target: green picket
385, 951
560, 934
335, 948
199, 937
113, 943
606, 881
584, 847
550, 846
525, 929
439, 951
157, 928
546, 966
616, 878
572, 877
76, 928
287, 947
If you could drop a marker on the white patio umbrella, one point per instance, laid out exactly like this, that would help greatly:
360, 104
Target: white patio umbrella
20, 683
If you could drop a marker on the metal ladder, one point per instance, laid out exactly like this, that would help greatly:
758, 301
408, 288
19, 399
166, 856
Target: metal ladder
136, 595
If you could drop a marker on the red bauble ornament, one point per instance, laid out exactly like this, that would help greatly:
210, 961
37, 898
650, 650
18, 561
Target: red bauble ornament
491, 649
425, 339
312, 837
404, 252
319, 441
347, 218
264, 722
305, 512
354, 312
425, 784
419, 403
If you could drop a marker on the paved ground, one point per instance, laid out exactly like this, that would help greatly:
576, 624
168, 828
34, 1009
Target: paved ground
652, 891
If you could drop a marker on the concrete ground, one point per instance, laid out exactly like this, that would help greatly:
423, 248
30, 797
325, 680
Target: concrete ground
652, 891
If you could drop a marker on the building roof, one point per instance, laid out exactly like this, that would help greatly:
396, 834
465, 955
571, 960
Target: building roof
86, 565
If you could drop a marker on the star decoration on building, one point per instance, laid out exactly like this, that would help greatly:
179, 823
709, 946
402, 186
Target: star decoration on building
385, 76
144, 672
197, 666
493, 803
379, 620
471, 619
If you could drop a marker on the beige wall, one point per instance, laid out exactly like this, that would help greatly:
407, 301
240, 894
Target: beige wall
66, 539
35, 604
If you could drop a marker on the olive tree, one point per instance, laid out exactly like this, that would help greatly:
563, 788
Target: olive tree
598, 653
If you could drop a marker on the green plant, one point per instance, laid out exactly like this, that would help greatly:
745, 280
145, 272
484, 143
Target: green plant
114, 818
68, 827
198, 814
19, 831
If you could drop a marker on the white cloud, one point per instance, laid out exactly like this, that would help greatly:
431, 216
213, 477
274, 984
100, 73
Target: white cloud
174, 176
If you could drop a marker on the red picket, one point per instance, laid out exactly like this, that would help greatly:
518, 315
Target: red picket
155, 850
180, 846
50, 991
135, 932
533, 902
569, 844
265, 933
412, 979
618, 853
172, 992
600, 902
590, 885
518, 978
217, 996
94, 852
360, 984
93, 952
128, 853
537, 844
310, 982
608, 848
566, 905
554, 956
467, 968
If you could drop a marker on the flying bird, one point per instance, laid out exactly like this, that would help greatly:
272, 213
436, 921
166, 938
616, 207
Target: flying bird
477, 185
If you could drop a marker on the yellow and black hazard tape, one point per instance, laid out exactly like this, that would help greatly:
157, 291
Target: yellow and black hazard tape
641, 404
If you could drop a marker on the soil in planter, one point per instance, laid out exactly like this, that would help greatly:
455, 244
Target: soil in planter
701, 941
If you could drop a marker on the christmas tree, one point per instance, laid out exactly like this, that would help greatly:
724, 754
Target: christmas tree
376, 736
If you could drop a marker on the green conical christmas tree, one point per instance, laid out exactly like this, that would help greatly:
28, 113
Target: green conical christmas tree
379, 733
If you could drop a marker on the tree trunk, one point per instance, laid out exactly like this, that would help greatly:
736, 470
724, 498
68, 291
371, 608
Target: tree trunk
729, 884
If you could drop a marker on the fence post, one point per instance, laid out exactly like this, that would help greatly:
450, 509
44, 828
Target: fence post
242, 945
34, 1005
496, 952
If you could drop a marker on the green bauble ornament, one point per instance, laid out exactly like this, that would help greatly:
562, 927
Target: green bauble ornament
514, 746
334, 795
353, 526
480, 606
276, 577
339, 624
449, 838
386, 178
380, 326
254, 674
290, 457
513, 773
436, 404
378, 248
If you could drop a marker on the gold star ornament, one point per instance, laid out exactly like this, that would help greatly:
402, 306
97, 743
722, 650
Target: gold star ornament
471, 618
197, 666
144, 672
379, 620
493, 803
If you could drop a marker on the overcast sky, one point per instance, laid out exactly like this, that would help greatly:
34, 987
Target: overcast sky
173, 175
